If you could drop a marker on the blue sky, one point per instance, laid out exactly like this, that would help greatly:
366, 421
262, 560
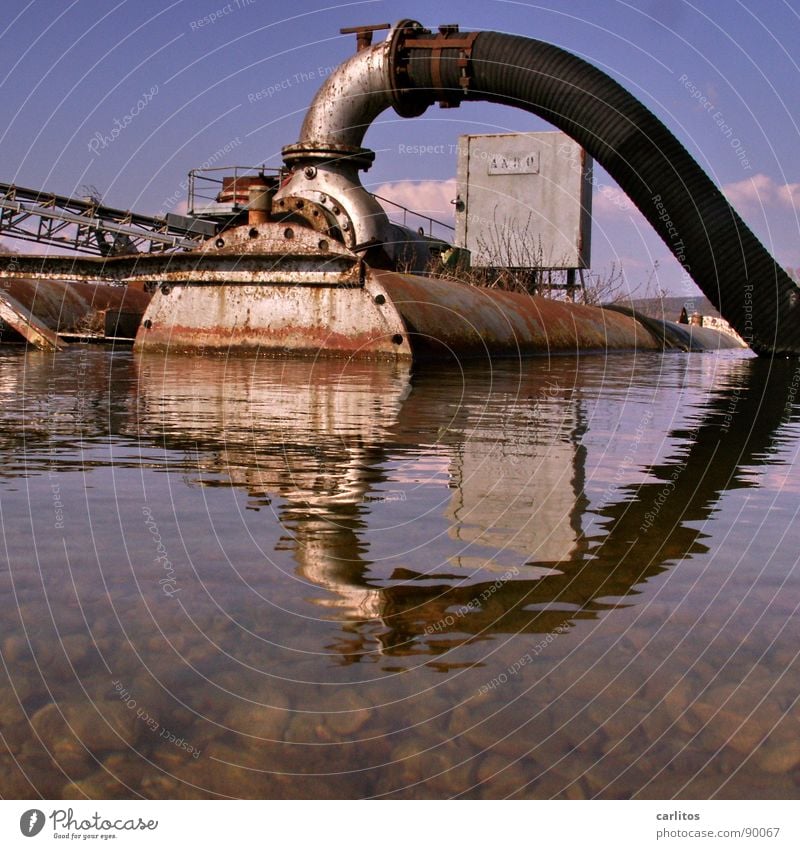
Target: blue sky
187, 79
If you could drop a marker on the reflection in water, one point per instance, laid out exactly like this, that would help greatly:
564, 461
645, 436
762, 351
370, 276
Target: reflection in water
330, 524
332, 445
339, 450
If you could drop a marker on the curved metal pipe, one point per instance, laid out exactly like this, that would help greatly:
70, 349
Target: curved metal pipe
349, 100
326, 160
412, 69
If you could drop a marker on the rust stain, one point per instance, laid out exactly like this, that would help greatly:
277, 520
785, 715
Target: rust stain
282, 288
22, 322
467, 320
281, 320
74, 307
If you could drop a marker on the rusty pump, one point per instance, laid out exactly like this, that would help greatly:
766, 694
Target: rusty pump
315, 270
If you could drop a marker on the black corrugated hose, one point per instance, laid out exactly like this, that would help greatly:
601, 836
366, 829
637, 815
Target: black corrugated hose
712, 243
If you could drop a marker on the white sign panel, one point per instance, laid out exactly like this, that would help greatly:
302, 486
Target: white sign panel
524, 200
514, 163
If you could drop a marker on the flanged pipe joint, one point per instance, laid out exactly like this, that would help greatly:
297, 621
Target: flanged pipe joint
414, 68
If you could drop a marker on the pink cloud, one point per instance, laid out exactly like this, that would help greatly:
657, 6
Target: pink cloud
761, 190
428, 197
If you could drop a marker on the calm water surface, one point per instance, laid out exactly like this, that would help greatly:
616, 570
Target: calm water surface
571, 578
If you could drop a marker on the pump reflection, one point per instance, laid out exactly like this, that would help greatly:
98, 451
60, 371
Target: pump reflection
347, 542
431, 519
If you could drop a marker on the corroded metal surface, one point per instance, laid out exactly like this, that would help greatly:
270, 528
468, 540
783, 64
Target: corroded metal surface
213, 267
326, 159
276, 319
46, 308
392, 315
445, 315
25, 325
287, 289
274, 288
266, 253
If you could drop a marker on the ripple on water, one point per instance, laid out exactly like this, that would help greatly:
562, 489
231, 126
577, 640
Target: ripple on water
538, 582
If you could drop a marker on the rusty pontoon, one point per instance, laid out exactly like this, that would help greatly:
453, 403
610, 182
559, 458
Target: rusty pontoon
314, 266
